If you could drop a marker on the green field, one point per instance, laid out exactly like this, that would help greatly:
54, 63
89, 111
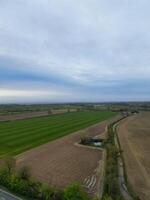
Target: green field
19, 136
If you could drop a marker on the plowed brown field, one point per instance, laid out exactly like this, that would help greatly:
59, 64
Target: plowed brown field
28, 115
24, 115
62, 162
134, 135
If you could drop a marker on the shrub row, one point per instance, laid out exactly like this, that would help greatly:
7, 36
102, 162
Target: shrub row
21, 183
111, 184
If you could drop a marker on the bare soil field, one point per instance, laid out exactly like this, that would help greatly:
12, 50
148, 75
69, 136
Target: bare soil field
134, 136
60, 111
62, 162
28, 115
24, 115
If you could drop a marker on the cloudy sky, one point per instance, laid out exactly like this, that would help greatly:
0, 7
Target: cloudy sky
74, 50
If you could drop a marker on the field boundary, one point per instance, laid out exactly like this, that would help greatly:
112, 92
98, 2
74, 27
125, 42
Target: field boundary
121, 170
100, 168
72, 133
102, 163
100, 185
128, 186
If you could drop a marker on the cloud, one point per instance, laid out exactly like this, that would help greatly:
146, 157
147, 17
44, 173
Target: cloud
80, 46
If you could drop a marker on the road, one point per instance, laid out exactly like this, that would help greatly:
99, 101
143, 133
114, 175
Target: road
7, 196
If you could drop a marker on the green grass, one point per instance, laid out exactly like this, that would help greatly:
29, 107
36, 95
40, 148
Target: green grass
19, 136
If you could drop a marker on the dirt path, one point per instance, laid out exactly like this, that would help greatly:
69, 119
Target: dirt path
134, 135
61, 162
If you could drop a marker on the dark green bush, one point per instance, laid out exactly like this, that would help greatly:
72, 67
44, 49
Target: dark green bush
24, 173
75, 192
48, 193
5, 177
85, 140
111, 184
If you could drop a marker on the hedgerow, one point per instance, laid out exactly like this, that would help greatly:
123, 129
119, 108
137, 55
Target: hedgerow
20, 183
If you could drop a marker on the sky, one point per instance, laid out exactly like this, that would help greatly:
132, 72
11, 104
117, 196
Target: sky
74, 51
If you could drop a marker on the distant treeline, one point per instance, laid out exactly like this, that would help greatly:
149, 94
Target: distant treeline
116, 107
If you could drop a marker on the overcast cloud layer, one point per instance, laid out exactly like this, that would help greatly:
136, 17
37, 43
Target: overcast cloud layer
74, 50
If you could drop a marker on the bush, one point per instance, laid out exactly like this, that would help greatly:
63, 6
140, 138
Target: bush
85, 140
5, 177
24, 173
19, 186
48, 193
75, 192
111, 185
22, 184
107, 198
10, 164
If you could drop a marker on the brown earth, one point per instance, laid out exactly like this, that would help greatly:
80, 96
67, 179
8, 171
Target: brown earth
134, 136
62, 161
24, 115
28, 115
60, 111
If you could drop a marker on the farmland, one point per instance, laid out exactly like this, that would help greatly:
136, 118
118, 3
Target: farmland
62, 162
23, 115
134, 135
19, 136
